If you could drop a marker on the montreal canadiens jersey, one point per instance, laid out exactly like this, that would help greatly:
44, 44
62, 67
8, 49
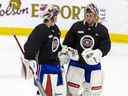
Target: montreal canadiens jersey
44, 42
82, 36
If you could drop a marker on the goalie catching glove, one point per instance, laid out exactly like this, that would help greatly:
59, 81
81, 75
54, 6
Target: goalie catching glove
92, 57
29, 68
73, 54
66, 54
63, 56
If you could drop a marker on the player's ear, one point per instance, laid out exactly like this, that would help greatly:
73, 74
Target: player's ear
45, 20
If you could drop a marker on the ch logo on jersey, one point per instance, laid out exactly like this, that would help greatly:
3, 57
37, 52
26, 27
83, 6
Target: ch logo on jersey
87, 41
55, 44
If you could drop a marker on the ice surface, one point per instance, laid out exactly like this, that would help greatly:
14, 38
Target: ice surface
114, 65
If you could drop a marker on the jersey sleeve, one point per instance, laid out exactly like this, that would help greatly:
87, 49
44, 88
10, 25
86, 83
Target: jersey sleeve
59, 36
69, 39
105, 42
35, 40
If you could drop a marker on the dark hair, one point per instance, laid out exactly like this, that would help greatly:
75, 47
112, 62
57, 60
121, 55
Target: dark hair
45, 20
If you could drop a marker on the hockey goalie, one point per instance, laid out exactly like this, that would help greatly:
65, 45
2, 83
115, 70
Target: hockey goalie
89, 41
41, 53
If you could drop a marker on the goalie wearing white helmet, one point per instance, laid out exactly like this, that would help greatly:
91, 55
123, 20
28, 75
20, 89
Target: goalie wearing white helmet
44, 44
91, 40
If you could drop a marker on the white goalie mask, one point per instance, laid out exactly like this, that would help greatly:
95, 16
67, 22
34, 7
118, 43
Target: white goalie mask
48, 11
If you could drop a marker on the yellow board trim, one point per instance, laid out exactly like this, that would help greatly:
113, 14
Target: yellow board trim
115, 37
17, 31
119, 38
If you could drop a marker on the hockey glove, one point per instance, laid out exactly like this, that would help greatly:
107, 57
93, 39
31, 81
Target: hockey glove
73, 54
64, 56
92, 57
29, 68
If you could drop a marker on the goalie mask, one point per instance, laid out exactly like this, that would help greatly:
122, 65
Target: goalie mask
48, 12
91, 8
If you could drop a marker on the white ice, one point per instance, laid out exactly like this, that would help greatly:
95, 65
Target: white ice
115, 67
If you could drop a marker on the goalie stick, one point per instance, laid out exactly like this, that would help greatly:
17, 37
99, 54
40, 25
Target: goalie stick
41, 89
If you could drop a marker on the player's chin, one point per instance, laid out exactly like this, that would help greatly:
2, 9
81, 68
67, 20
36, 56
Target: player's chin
90, 22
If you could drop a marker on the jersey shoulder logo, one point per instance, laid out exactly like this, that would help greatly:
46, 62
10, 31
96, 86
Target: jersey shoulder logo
80, 32
50, 36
